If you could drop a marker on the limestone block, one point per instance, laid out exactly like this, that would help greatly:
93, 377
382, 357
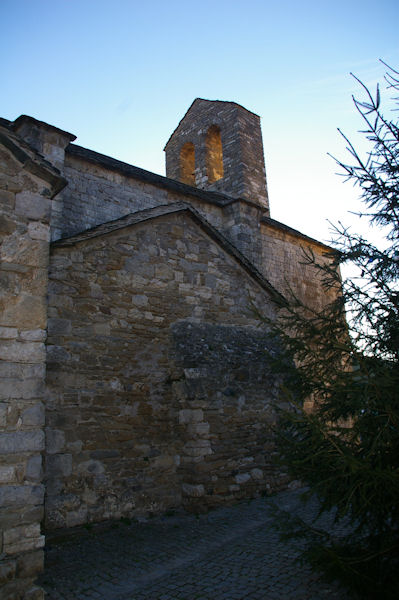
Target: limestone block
57, 354
140, 300
22, 539
33, 471
101, 328
22, 351
246, 460
30, 388
32, 206
7, 473
164, 272
7, 571
3, 414
187, 288
198, 428
188, 415
156, 285
7, 199
33, 335
193, 491
96, 291
59, 465
60, 301
55, 441
59, 326
54, 151
242, 478
21, 441
198, 448
76, 447
164, 461
21, 249
21, 495
8, 333
25, 310
7, 226
195, 373
257, 474
93, 467
39, 231
180, 393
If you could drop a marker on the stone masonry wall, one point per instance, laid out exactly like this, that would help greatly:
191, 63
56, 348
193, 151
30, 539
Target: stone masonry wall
147, 405
24, 235
283, 264
226, 392
244, 166
50, 142
95, 195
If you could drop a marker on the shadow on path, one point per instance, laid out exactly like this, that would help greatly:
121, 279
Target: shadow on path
230, 553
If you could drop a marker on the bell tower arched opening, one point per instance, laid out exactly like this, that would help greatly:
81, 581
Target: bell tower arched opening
214, 154
187, 164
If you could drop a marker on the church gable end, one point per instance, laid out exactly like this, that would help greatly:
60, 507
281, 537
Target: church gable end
134, 343
155, 371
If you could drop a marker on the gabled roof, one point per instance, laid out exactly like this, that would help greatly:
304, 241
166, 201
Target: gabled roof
30, 159
167, 209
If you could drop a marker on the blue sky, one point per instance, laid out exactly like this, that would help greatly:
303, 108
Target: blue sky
120, 75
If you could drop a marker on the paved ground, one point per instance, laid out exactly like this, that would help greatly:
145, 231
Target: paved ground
231, 553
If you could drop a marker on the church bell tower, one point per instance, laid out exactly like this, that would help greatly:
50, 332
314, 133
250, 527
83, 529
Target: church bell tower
218, 146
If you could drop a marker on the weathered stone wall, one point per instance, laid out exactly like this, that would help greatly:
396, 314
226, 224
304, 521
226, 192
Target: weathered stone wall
24, 235
158, 390
243, 161
96, 195
283, 263
226, 392
50, 142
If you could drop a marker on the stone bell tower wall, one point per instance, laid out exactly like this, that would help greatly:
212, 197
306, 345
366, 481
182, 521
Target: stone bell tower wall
223, 142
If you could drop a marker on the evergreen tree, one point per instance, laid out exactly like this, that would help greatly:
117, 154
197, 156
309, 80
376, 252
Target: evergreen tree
345, 358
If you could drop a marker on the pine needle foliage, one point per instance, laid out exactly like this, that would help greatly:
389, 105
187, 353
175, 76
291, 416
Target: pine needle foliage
345, 357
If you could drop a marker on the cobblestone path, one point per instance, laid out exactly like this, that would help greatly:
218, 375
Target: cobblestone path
230, 553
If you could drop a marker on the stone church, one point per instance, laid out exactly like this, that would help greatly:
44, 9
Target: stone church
134, 373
